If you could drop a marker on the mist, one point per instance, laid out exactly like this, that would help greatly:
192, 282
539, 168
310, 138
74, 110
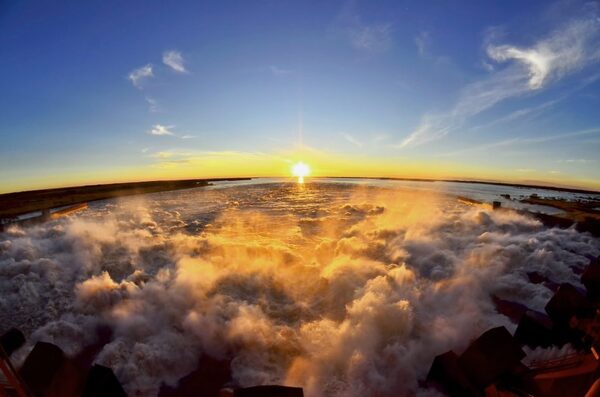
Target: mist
342, 291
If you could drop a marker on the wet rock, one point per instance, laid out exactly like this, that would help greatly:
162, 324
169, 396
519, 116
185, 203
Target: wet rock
568, 301
102, 382
534, 330
591, 278
493, 354
269, 391
40, 367
11, 340
447, 376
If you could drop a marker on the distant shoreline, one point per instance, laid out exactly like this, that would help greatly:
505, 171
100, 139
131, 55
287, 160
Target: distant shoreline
519, 185
19, 203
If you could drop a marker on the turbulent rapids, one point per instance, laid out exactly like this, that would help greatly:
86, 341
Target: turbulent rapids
343, 290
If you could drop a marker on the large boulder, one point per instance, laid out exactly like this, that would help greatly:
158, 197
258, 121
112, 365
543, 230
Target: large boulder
269, 391
591, 278
41, 366
101, 381
447, 376
534, 330
567, 302
492, 355
11, 340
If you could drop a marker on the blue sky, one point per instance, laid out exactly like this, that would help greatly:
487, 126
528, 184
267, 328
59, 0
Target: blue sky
99, 91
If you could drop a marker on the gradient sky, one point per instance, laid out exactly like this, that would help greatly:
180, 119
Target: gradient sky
101, 91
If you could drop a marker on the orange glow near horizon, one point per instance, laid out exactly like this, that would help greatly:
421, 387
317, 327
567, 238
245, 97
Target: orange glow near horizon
228, 164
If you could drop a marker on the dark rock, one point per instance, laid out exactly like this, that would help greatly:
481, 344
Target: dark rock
590, 225
269, 391
568, 301
206, 380
534, 329
536, 278
591, 278
490, 356
11, 340
41, 366
101, 381
447, 376
513, 310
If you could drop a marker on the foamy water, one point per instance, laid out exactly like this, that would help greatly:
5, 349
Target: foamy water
343, 289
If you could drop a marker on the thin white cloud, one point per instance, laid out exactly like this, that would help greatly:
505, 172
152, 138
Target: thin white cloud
563, 52
527, 141
352, 140
577, 161
277, 71
487, 66
161, 130
152, 104
188, 137
377, 37
175, 61
368, 37
520, 113
139, 75
422, 42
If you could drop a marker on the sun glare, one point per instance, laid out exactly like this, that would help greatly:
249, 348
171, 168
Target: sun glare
300, 170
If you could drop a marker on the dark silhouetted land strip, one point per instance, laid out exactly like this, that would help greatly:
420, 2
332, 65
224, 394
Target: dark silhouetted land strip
14, 204
521, 185
581, 212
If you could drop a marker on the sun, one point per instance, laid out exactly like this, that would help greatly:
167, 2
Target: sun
300, 170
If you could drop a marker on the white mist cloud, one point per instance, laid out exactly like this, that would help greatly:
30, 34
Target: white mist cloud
175, 61
352, 295
139, 75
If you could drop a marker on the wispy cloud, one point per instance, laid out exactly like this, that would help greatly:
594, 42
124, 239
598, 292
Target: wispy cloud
171, 155
161, 130
422, 41
188, 136
577, 161
561, 53
278, 71
370, 37
152, 104
520, 113
175, 61
520, 141
530, 69
352, 139
377, 37
139, 75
